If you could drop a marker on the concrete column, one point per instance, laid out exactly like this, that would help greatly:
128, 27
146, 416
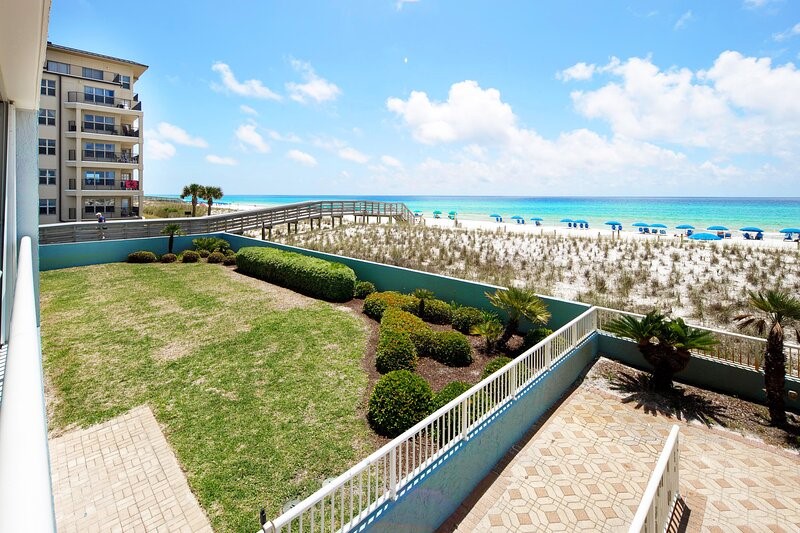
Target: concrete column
27, 187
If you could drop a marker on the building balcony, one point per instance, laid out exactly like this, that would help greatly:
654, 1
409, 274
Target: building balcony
121, 185
75, 97
123, 130
116, 158
79, 71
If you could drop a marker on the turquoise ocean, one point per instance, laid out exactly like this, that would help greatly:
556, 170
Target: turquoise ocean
769, 214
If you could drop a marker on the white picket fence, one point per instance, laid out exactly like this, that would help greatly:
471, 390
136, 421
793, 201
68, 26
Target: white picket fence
662, 492
347, 500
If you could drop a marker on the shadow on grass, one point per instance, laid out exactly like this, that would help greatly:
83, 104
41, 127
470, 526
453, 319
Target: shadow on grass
676, 403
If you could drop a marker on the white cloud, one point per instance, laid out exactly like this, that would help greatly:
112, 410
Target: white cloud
218, 160
755, 4
169, 132
288, 137
159, 150
351, 154
578, 71
683, 20
390, 161
247, 134
302, 158
788, 34
246, 109
400, 3
251, 88
315, 88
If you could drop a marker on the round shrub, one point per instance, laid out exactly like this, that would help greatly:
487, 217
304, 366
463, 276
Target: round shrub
400, 400
216, 257
418, 331
438, 312
142, 256
466, 317
451, 348
169, 258
395, 352
230, 260
535, 336
376, 303
363, 289
451, 391
203, 253
494, 365
190, 256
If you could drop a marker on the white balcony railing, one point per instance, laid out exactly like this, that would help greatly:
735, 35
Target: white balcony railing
662, 492
343, 503
26, 496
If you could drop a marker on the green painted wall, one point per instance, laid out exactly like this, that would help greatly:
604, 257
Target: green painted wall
74, 254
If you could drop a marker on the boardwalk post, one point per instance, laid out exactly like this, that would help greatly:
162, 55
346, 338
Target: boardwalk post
270, 233
263, 232
288, 228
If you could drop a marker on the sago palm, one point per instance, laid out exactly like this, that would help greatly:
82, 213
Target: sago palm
172, 230
518, 303
195, 191
210, 194
489, 331
774, 312
422, 295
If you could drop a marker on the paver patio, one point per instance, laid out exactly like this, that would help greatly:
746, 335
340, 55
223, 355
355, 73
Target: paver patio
121, 475
587, 466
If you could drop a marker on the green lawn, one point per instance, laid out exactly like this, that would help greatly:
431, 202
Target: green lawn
259, 398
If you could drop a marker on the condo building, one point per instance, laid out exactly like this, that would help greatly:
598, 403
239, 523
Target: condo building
90, 137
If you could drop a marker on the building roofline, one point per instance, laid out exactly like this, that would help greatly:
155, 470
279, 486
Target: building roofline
62, 48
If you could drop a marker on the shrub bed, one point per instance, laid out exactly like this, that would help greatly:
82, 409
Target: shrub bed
464, 318
400, 400
307, 275
451, 348
363, 289
169, 258
190, 256
438, 312
378, 302
142, 256
494, 365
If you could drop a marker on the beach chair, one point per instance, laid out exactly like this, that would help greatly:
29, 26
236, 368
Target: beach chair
759, 236
569, 224
663, 232
727, 235
587, 225
747, 236
689, 233
538, 223
641, 230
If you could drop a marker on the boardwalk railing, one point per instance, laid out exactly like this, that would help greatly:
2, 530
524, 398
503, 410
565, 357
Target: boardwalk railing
343, 503
238, 221
662, 492
732, 347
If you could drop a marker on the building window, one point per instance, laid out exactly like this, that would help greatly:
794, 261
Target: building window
47, 117
47, 176
92, 73
47, 206
98, 205
98, 123
99, 177
47, 147
124, 81
49, 87
98, 151
98, 95
55, 66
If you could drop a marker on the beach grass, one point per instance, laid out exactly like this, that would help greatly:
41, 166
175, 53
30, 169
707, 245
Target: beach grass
259, 392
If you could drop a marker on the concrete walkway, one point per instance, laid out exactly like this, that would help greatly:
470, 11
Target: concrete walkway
586, 469
121, 475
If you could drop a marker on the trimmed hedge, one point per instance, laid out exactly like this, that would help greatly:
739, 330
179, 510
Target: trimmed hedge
466, 317
451, 348
437, 312
304, 274
190, 256
494, 365
418, 331
169, 258
203, 253
230, 260
395, 352
216, 257
142, 256
451, 391
378, 302
535, 336
400, 400
363, 289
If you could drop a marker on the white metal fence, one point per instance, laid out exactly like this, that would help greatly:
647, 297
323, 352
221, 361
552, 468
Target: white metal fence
662, 492
347, 500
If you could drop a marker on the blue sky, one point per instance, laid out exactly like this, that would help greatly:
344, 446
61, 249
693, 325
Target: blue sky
460, 97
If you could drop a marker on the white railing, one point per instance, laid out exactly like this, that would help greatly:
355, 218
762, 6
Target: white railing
732, 348
662, 492
26, 497
350, 498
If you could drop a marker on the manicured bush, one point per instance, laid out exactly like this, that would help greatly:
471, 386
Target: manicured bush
203, 253
376, 303
418, 331
216, 257
363, 289
190, 256
437, 312
169, 258
494, 365
304, 274
211, 244
452, 390
395, 352
451, 348
230, 260
466, 317
400, 400
142, 256
535, 336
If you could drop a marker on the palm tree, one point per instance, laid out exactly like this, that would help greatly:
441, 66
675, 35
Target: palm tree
518, 303
194, 190
774, 311
665, 344
210, 194
172, 230
490, 331
422, 295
